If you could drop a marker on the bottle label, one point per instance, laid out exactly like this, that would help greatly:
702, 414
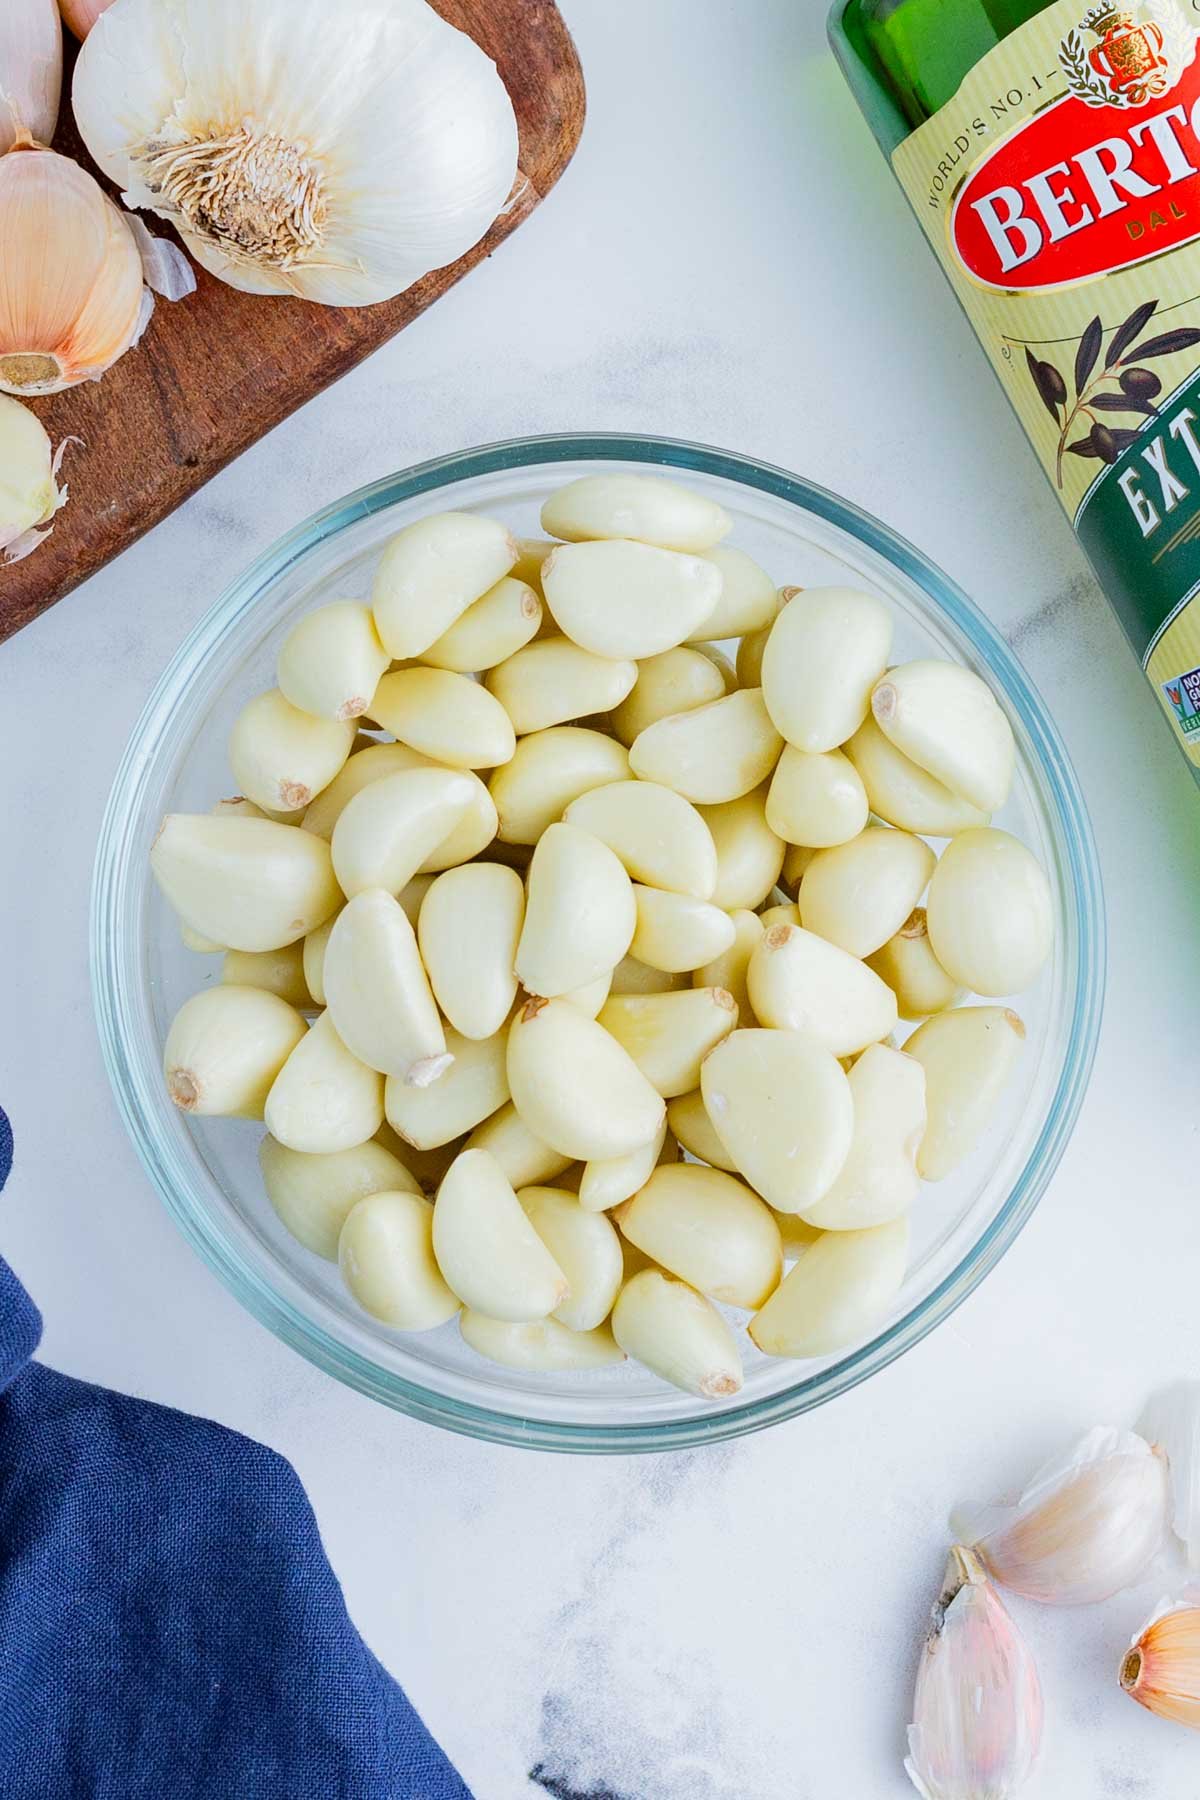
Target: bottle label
1060, 189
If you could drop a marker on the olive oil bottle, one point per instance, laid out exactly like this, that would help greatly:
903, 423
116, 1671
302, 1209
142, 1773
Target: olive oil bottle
1051, 153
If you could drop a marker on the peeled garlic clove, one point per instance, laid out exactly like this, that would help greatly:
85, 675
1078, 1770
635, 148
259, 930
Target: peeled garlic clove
1161, 1669
525, 1158
648, 508
324, 1098
445, 716
531, 554
549, 770
859, 894
580, 913
431, 572
977, 1714
225, 1047
754, 643
783, 1109
800, 982
495, 627
749, 855
878, 1180
468, 930
541, 1345
29, 491
710, 1230
377, 992
587, 1250
331, 660
678, 1335
914, 974
989, 913
721, 663
1087, 1524
748, 599
968, 1054
385, 1253
427, 1167
554, 680
386, 832
836, 1294
947, 720
687, 1117
816, 798
658, 835
628, 600
575, 1087
249, 884
674, 681
669, 1035
633, 977
796, 1235
282, 757
903, 793
713, 753
487, 1250
605, 1184
474, 831
313, 1195
275, 971
471, 1088
785, 913
591, 997
315, 946
1171, 1421
677, 933
730, 968
202, 946
826, 651
795, 862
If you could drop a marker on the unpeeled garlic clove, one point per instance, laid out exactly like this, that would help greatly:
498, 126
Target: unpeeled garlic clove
687, 1117
878, 1180
1087, 1524
902, 792
816, 798
525, 1158
783, 1109
678, 933
674, 681
678, 1334
446, 716
968, 1054
647, 508
605, 1184
31, 60
431, 572
541, 1345
468, 929
1161, 1668
471, 1088
385, 1253
225, 1047
580, 913
377, 992
313, 1195
249, 884
989, 913
945, 719
748, 598
275, 971
914, 974
627, 600
729, 969
331, 661
827, 649
494, 627
708, 1228
669, 1035
836, 1294
487, 1250
282, 757
549, 770
554, 680
575, 1087
1172, 1422
713, 753
658, 835
386, 831
798, 981
977, 1714
859, 894
324, 1098
586, 1248
749, 855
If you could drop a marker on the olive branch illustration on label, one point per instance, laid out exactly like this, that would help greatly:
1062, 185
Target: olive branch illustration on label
1120, 385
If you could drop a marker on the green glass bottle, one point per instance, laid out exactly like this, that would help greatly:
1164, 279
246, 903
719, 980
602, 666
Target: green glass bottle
1051, 152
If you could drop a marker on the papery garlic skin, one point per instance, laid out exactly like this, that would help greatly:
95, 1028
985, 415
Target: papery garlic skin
1161, 1668
31, 60
1171, 1422
334, 153
977, 1713
29, 494
1087, 1525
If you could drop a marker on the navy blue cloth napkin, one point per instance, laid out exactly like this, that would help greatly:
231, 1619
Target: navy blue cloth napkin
170, 1627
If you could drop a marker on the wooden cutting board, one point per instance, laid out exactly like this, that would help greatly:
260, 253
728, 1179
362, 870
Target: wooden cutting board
218, 370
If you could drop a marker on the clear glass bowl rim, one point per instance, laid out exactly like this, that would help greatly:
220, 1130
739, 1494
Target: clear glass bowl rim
172, 1181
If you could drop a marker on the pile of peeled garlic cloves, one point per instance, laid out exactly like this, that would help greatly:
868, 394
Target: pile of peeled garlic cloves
1089, 1523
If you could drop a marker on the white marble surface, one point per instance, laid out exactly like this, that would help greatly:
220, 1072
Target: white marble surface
727, 259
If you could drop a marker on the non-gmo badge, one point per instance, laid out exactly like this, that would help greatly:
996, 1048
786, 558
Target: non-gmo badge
1183, 695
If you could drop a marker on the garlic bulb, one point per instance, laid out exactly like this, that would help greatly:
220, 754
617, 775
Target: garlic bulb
30, 71
977, 1715
334, 153
1085, 1527
1171, 1422
80, 15
29, 494
1161, 1668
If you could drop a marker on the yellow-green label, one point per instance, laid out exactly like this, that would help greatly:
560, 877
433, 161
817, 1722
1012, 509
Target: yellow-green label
1060, 189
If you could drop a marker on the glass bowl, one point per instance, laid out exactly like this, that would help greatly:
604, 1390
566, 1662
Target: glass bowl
206, 1170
